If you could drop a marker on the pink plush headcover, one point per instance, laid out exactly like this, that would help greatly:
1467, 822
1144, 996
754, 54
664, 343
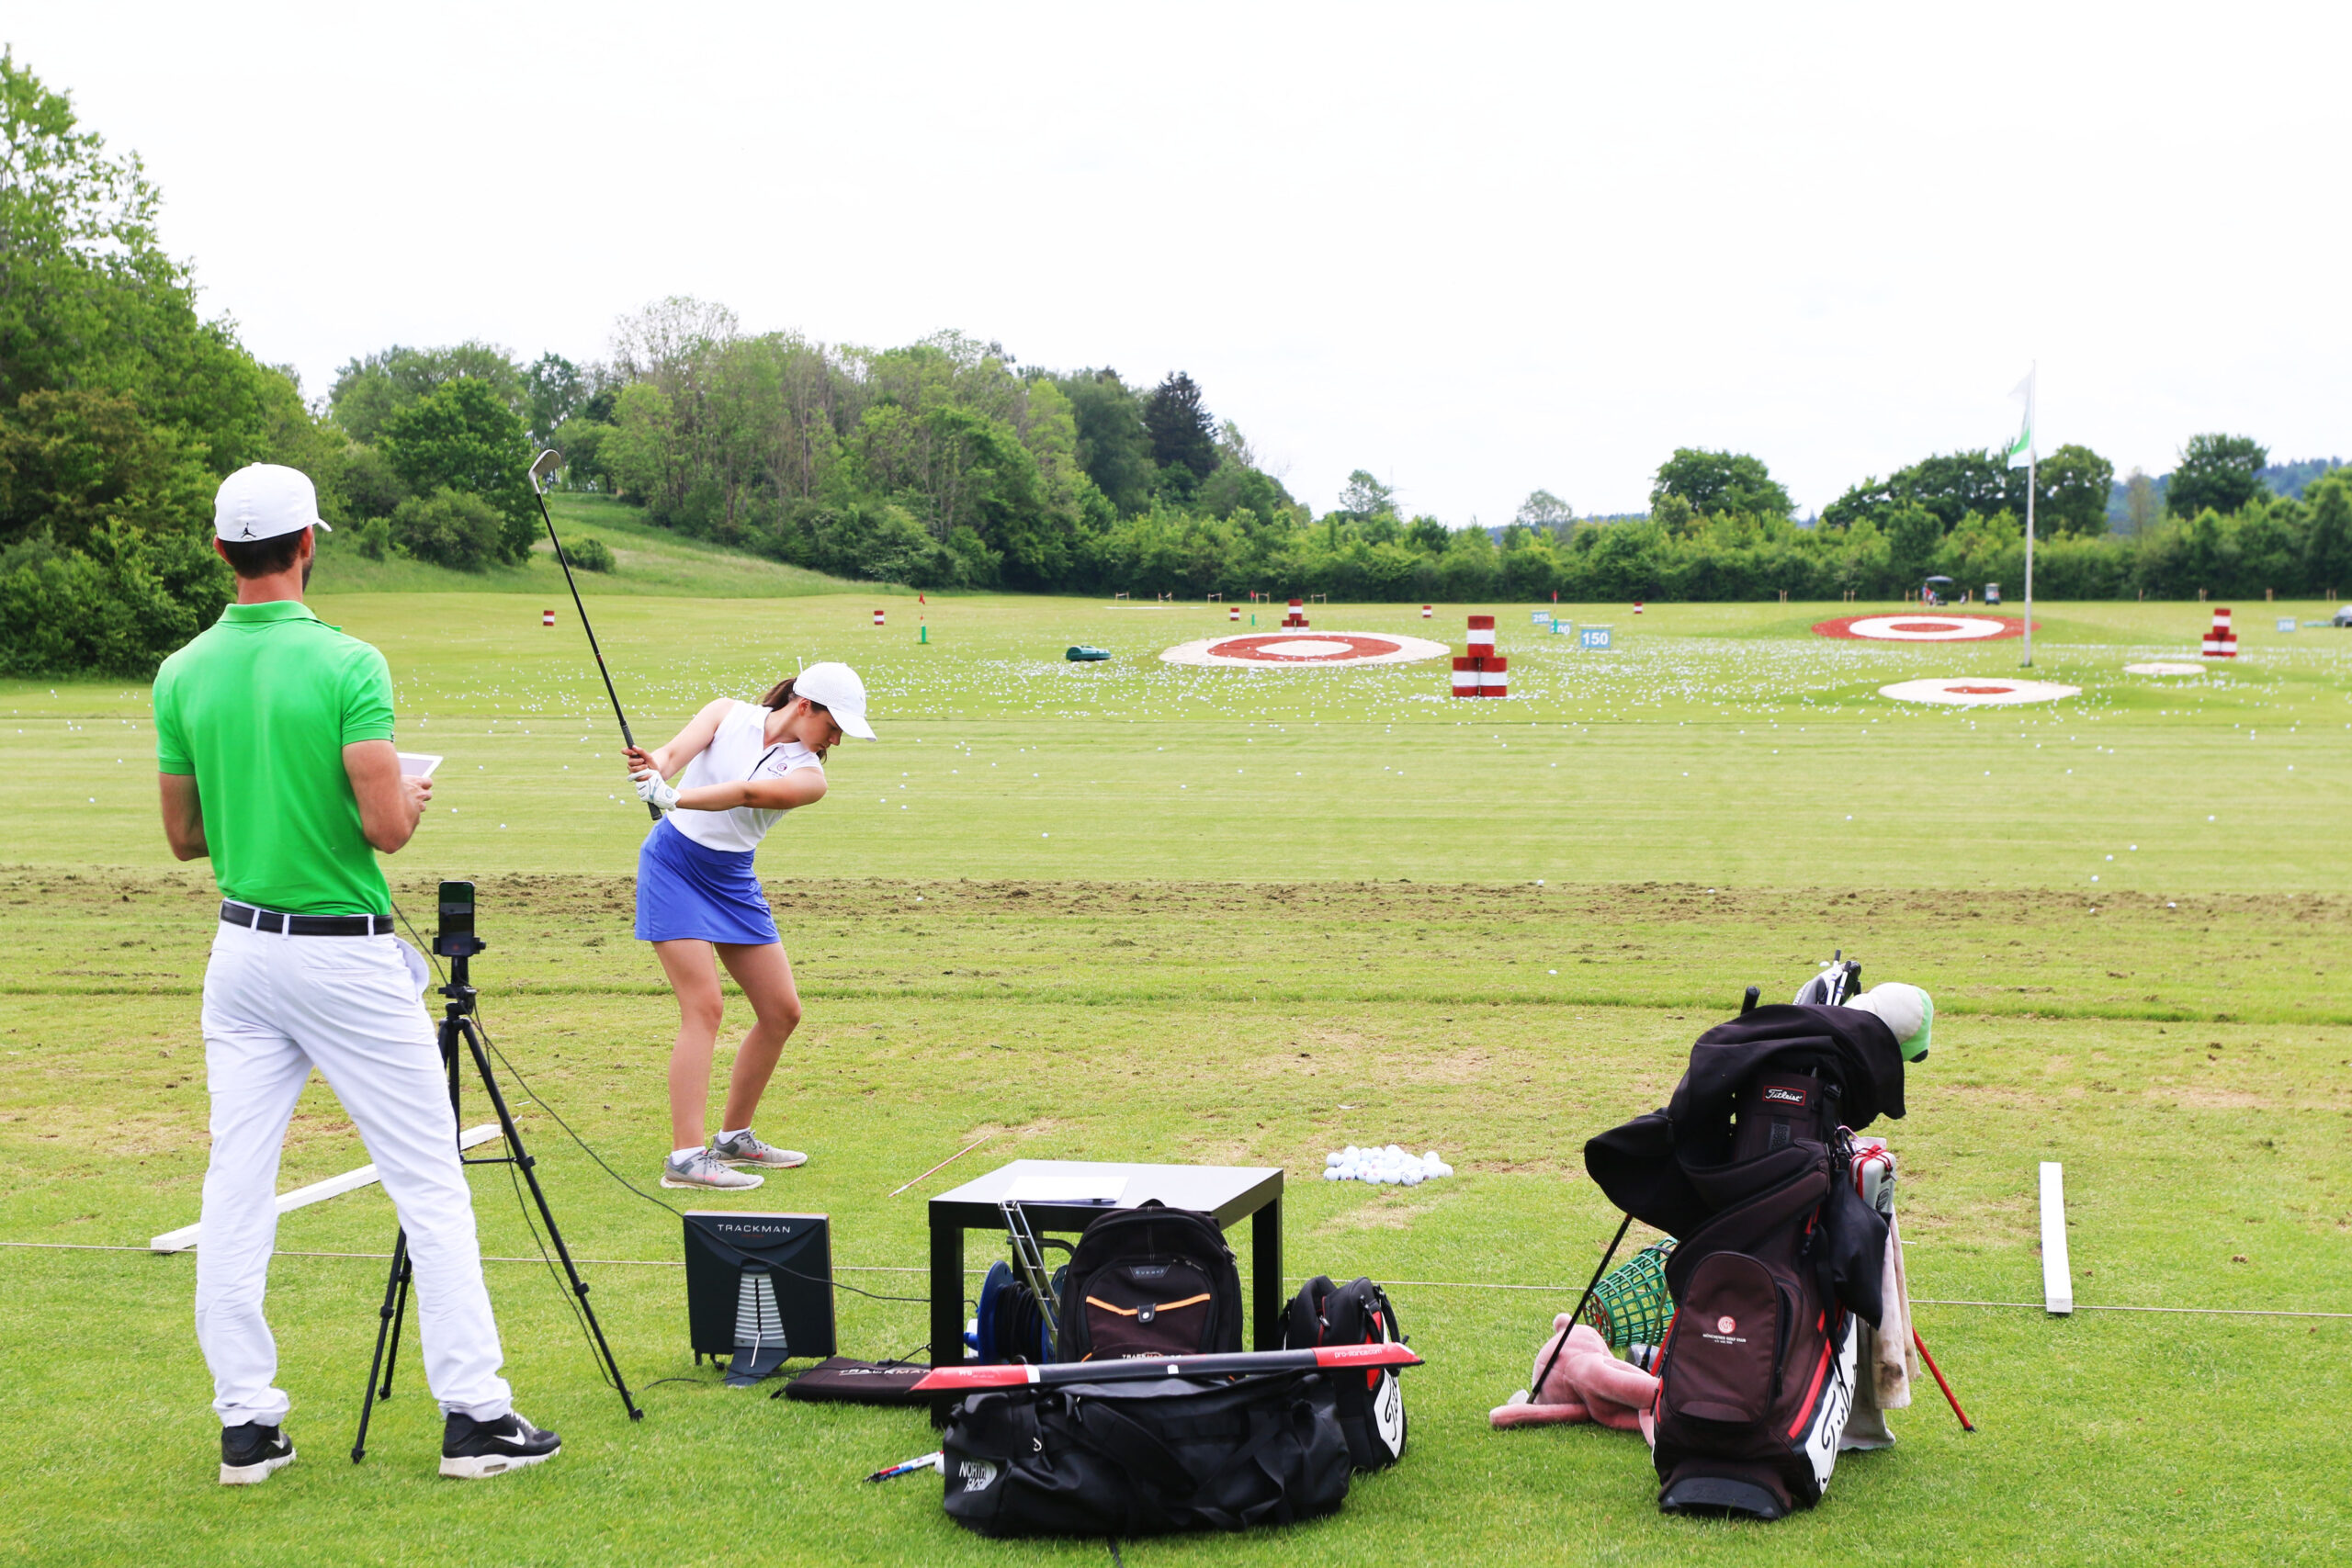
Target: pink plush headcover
1586, 1383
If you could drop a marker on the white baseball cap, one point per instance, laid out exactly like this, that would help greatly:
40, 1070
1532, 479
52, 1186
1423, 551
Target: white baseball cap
836, 688
262, 501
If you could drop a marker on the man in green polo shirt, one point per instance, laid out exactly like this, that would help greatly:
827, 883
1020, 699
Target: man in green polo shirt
273, 750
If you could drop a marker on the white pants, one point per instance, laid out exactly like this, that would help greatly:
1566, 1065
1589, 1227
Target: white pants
274, 1006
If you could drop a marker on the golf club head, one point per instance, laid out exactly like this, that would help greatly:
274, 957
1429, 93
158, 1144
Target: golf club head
543, 466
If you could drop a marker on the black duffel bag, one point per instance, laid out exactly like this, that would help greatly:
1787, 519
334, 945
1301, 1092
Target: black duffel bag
1144, 1458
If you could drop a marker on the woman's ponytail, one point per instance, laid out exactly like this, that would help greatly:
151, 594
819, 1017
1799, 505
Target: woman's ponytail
779, 695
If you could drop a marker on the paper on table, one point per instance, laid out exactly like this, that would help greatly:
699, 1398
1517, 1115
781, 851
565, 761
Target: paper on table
417, 764
1067, 1190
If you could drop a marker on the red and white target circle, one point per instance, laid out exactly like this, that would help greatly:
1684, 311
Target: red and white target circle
1294, 648
1922, 628
1978, 691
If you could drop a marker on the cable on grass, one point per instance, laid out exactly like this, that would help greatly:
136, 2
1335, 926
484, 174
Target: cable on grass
533, 1096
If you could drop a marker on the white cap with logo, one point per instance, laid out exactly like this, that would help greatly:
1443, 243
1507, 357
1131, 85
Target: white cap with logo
836, 688
262, 501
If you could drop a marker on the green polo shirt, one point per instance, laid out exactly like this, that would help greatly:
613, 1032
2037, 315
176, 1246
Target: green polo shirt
259, 708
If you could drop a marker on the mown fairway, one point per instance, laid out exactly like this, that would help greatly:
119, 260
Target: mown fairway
1134, 912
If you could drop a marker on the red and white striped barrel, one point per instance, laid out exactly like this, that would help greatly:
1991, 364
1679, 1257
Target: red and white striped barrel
2221, 639
1233, 612
1481, 636
877, 617
1465, 675
1426, 612
1637, 606
546, 618
1297, 616
1493, 680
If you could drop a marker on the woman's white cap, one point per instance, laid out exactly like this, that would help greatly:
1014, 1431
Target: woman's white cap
836, 688
262, 501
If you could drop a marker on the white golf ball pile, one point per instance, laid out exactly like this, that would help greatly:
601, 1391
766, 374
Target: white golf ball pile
1389, 1166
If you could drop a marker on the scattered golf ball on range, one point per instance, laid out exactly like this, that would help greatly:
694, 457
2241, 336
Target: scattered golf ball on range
1389, 1166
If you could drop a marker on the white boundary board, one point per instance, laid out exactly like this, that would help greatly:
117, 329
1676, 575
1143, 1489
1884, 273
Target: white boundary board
186, 1237
2057, 1273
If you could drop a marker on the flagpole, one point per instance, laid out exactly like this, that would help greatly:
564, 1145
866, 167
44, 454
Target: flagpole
2033, 441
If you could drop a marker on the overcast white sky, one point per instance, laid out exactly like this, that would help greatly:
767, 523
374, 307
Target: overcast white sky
1477, 249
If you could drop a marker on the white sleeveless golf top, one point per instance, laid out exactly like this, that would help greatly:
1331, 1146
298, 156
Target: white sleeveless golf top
738, 753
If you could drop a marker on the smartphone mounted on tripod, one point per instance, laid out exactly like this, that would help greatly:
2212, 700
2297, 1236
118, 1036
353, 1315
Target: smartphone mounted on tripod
454, 938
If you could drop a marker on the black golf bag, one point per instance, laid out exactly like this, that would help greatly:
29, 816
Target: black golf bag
1749, 1165
1371, 1404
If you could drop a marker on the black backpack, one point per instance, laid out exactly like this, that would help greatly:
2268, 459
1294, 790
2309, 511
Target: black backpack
1146, 1457
1149, 1281
1372, 1403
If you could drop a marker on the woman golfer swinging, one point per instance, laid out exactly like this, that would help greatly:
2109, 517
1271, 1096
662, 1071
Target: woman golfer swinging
746, 764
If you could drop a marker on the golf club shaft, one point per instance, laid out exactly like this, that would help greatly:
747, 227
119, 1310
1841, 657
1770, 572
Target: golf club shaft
565, 562
1237, 1363
1536, 1389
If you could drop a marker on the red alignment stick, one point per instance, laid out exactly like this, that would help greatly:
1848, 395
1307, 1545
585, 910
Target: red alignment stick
1238, 1363
1965, 1424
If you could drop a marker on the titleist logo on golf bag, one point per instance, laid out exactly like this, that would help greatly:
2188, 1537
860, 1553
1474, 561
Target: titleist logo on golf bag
1779, 1254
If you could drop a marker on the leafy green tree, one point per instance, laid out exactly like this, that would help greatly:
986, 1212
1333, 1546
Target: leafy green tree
452, 528
2223, 472
1542, 509
1113, 446
553, 391
1363, 498
2073, 482
1913, 534
71, 462
119, 405
1236, 486
463, 437
1182, 433
1428, 536
369, 390
1720, 482
590, 553
2327, 541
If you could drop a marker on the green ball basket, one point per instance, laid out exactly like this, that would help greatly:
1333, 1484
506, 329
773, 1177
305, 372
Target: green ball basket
1630, 1305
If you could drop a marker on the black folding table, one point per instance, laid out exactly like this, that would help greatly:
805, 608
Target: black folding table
1226, 1192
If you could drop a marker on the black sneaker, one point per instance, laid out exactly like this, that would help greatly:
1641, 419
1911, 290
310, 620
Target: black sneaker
250, 1453
471, 1449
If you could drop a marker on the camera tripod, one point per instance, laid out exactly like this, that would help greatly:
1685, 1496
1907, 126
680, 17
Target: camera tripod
459, 1037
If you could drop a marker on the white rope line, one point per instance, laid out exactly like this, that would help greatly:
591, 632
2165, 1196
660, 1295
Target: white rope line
1393, 1284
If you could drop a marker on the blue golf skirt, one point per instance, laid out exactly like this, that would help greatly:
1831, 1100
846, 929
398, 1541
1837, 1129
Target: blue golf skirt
685, 891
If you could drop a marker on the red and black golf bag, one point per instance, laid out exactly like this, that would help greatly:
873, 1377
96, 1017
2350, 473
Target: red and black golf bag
1779, 1254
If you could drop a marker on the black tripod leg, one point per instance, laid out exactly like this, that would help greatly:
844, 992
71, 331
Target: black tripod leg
399, 1315
387, 1332
524, 1163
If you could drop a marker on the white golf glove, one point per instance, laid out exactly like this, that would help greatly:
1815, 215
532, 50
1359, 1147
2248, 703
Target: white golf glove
653, 789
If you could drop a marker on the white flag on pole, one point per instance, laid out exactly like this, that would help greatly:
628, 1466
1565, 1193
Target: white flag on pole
2021, 450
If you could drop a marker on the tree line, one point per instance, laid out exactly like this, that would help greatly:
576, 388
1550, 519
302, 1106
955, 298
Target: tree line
941, 464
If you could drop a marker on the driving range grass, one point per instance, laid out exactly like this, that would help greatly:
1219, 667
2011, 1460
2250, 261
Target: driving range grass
1232, 971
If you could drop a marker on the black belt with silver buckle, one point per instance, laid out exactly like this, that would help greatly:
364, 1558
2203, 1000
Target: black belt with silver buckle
275, 922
